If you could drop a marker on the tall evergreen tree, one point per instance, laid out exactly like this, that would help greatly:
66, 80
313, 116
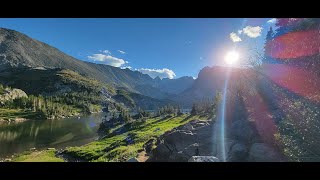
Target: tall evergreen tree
193, 110
269, 38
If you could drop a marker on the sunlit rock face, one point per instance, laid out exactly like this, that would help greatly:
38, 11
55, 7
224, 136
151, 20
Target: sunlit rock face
11, 94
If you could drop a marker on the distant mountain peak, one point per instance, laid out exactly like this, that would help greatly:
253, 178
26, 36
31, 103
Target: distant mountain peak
18, 50
157, 78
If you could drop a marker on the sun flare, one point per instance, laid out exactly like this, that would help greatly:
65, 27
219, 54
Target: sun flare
231, 57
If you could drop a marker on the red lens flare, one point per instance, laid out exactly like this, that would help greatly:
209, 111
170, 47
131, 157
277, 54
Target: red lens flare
260, 115
295, 79
294, 45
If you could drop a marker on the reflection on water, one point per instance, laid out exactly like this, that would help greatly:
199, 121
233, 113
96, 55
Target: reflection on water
58, 133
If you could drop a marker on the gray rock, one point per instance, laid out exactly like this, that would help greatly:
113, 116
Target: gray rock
261, 152
203, 159
228, 143
200, 123
149, 145
238, 152
7, 160
133, 160
187, 127
242, 131
161, 153
181, 144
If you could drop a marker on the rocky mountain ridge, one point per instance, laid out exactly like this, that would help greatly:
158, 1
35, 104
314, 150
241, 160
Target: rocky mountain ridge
18, 50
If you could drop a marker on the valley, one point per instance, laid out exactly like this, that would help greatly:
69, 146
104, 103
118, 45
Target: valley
265, 108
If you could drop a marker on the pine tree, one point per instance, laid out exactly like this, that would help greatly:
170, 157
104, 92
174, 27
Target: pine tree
193, 110
269, 38
269, 35
179, 110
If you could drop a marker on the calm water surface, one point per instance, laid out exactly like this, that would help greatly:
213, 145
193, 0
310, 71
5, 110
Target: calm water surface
41, 134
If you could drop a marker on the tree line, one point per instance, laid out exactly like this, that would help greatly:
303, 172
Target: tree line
206, 106
169, 110
45, 106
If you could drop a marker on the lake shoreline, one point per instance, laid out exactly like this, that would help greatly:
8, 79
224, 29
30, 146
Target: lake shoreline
47, 133
17, 119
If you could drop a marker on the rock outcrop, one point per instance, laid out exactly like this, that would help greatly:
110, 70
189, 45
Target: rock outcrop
203, 139
261, 152
180, 144
11, 94
203, 159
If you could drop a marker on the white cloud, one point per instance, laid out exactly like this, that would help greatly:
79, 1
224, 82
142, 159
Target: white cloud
272, 21
162, 73
239, 31
234, 37
122, 52
252, 32
105, 51
126, 67
107, 59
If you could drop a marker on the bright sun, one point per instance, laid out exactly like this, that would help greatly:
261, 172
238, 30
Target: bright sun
231, 57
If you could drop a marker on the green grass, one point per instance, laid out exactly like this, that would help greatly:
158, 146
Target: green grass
37, 156
71, 77
7, 114
114, 147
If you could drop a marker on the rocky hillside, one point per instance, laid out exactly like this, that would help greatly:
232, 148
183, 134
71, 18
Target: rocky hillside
63, 82
210, 81
18, 50
202, 138
250, 125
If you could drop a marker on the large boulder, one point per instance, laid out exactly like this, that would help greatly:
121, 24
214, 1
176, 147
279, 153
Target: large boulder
180, 144
261, 152
175, 147
203, 159
242, 131
238, 153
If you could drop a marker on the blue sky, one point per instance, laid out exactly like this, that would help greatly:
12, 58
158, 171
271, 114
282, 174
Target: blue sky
167, 47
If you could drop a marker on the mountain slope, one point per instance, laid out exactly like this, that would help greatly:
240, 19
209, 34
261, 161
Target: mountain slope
70, 84
18, 50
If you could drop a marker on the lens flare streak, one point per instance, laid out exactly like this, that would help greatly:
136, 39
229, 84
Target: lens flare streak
222, 117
